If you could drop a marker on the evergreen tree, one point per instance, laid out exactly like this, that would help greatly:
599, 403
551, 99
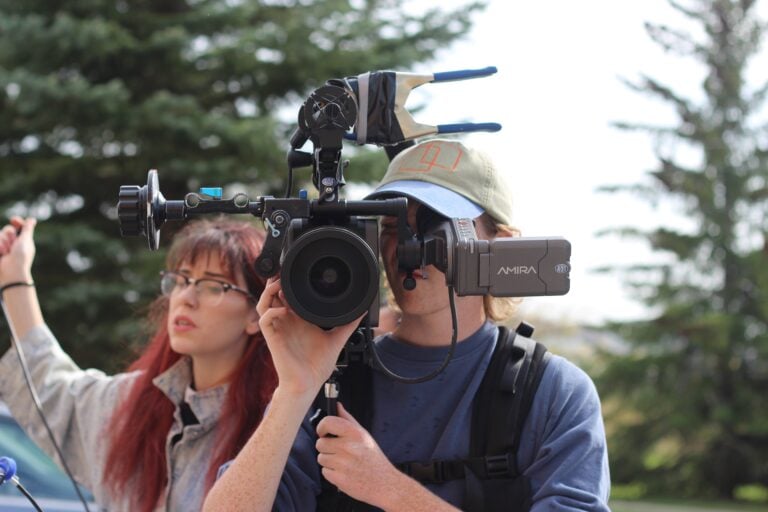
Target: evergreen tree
686, 407
93, 93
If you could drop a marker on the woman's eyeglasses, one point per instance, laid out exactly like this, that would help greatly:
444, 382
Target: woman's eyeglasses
209, 291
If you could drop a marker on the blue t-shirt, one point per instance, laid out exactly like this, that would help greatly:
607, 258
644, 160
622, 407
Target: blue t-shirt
562, 448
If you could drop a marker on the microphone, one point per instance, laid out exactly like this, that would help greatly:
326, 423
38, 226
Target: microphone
7, 470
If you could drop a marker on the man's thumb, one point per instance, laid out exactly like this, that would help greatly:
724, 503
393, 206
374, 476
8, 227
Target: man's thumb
343, 413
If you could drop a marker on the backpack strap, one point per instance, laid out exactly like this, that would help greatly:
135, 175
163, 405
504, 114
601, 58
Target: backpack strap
502, 404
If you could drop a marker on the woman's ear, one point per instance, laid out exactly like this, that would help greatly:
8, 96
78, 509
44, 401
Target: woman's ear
252, 325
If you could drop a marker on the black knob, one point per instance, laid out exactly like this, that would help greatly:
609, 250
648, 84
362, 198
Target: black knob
525, 329
129, 211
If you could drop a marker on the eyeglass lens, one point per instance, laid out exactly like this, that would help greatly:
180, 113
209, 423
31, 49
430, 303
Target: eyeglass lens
207, 290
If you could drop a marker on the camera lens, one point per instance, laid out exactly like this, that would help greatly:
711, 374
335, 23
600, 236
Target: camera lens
330, 276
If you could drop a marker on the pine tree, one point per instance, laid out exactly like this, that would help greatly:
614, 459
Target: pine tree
686, 407
93, 93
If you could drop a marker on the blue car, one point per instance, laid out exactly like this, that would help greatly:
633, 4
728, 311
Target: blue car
41, 477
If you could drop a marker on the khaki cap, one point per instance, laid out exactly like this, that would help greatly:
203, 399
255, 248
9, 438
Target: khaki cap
449, 177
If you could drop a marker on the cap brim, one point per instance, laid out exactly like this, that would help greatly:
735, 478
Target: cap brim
443, 201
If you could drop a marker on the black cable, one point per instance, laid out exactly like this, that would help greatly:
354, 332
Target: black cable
29, 496
290, 182
36, 400
416, 380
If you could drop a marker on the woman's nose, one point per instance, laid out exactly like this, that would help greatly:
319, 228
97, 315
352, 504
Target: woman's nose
188, 295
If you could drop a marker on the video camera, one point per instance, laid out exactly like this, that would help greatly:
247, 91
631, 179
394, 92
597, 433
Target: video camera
326, 249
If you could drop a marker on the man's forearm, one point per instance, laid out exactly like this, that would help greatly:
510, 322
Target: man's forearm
251, 482
408, 494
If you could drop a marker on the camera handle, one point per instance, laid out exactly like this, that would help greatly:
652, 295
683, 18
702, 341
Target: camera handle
331, 394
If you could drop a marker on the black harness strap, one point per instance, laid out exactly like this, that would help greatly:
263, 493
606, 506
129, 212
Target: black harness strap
504, 401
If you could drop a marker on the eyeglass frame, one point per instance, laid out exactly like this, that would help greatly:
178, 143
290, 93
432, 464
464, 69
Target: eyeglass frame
192, 281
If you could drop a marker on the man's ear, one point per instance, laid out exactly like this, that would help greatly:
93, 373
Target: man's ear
506, 231
487, 229
252, 325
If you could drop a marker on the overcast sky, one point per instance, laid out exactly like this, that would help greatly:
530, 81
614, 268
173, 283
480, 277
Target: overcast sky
556, 94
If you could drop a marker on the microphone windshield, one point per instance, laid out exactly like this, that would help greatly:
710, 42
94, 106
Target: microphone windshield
7, 469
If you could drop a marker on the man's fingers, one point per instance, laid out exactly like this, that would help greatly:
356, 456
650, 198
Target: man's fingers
335, 426
331, 475
345, 414
326, 460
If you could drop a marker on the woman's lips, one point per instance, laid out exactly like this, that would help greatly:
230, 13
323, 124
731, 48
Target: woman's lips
183, 324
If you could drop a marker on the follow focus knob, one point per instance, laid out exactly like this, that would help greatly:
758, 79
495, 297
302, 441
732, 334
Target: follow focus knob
129, 211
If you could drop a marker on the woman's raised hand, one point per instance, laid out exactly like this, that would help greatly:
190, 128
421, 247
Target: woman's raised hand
17, 250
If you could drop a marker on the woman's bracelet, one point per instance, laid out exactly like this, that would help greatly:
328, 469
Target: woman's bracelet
15, 284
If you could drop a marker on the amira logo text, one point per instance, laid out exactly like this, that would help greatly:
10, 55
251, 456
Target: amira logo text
518, 270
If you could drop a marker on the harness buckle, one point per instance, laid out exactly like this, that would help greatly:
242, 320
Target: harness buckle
497, 466
430, 472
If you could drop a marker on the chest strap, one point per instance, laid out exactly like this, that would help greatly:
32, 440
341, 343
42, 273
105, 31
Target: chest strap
441, 471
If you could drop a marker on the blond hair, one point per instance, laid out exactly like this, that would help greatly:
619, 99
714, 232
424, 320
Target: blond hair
499, 309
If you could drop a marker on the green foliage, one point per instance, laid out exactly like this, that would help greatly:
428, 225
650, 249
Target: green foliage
686, 406
753, 493
93, 93
632, 491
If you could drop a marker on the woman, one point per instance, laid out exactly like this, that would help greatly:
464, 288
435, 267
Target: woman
153, 437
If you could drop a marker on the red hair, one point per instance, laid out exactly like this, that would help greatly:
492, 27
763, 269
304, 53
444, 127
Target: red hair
139, 426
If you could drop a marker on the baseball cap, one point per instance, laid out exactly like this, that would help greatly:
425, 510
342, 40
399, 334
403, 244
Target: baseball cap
454, 180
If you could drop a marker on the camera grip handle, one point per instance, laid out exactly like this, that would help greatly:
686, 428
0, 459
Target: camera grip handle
463, 74
331, 394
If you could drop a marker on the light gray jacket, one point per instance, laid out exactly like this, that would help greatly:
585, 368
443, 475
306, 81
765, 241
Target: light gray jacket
78, 405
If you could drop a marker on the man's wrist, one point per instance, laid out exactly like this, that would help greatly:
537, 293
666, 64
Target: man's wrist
400, 487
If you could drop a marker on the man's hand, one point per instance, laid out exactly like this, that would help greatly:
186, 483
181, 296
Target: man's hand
353, 462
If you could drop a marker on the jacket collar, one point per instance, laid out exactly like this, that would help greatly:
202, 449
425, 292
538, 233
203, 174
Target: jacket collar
176, 384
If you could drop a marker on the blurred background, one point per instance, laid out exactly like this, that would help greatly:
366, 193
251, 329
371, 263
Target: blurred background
637, 130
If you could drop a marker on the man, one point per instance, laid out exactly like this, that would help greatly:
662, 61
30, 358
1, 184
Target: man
562, 450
